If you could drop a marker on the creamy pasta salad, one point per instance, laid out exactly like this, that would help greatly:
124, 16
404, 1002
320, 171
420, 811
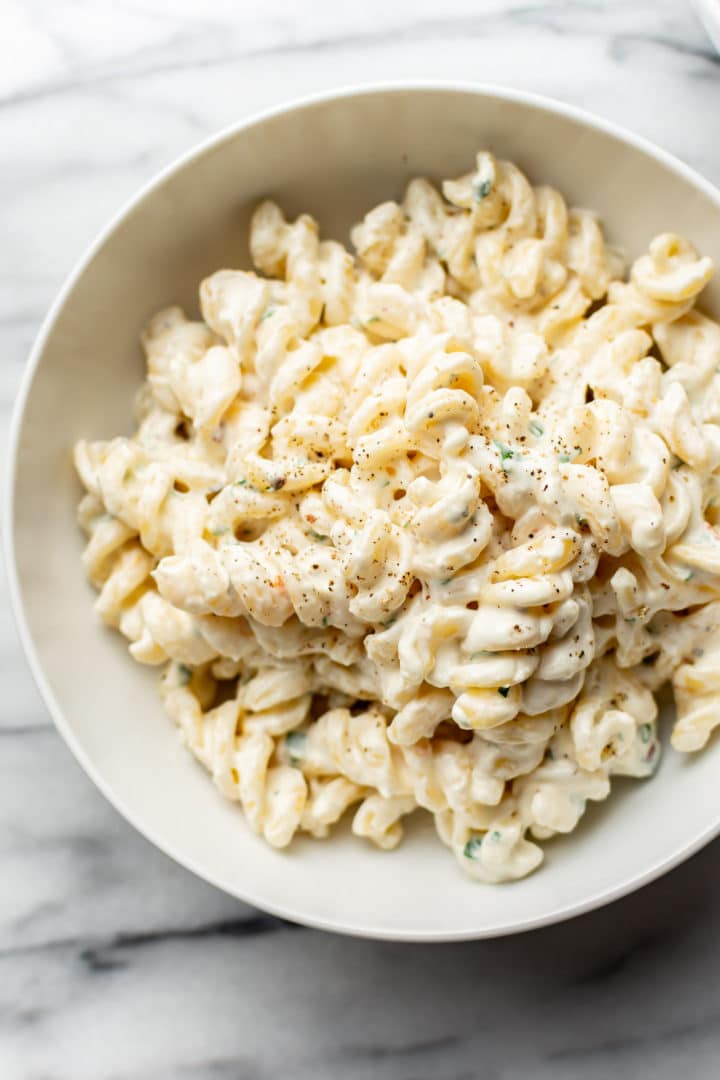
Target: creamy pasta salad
426, 525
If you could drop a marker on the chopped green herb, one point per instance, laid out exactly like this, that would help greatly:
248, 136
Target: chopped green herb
505, 451
446, 581
318, 536
481, 189
296, 743
580, 519
504, 690
563, 458
240, 483
536, 429
496, 836
645, 733
267, 313
506, 455
185, 674
324, 621
472, 847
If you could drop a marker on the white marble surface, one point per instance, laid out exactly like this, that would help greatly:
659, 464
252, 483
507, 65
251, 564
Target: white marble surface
114, 963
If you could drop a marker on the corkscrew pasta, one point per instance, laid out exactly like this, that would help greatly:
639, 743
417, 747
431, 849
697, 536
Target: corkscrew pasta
426, 525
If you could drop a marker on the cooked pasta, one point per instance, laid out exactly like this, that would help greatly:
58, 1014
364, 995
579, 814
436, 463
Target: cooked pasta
426, 525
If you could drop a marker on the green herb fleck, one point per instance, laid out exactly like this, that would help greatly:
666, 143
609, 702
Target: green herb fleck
324, 621
563, 458
496, 836
240, 483
267, 313
185, 674
580, 519
481, 189
318, 536
296, 743
446, 581
504, 690
645, 733
505, 451
536, 429
472, 847
506, 455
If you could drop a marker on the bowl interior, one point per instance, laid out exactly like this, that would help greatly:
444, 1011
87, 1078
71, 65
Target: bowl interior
334, 158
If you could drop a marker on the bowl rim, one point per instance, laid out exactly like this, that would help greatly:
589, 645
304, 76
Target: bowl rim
287, 911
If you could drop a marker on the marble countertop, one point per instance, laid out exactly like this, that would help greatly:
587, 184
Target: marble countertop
115, 964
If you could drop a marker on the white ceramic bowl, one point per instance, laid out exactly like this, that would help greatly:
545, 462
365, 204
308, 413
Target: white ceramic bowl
333, 156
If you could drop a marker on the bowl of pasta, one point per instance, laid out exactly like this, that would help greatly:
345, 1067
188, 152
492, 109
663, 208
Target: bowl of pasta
382, 431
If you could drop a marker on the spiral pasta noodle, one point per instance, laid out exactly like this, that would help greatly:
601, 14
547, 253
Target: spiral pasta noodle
425, 526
